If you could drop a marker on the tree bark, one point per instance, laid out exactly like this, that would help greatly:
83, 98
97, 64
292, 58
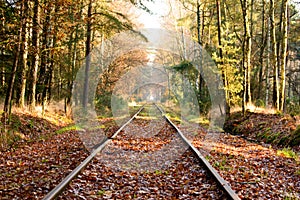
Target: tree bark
262, 50
198, 23
36, 55
279, 38
87, 55
21, 101
10, 89
273, 60
220, 33
45, 56
247, 53
284, 53
268, 63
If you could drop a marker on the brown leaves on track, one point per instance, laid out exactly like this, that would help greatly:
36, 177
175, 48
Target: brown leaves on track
34, 167
185, 179
255, 171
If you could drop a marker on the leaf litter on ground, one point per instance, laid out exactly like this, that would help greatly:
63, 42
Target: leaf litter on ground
32, 168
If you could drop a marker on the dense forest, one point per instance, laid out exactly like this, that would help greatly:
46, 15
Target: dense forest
255, 44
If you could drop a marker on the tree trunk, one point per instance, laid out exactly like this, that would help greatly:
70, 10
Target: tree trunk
52, 54
200, 79
198, 23
220, 33
219, 28
88, 57
247, 53
10, 89
45, 56
262, 50
36, 56
284, 53
273, 60
21, 101
279, 47
268, 64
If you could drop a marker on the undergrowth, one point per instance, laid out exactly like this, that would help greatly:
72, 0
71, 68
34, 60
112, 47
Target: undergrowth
26, 126
276, 129
288, 153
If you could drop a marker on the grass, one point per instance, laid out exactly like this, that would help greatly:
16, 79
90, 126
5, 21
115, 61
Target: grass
9, 134
288, 153
102, 126
23, 124
173, 117
222, 165
276, 129
8, 138
69, 128
201, 120
160, 172
101, 192
290, 196
296, 136
256, 109
45, 160
208, 157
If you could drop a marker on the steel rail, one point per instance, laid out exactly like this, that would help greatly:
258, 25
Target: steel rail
224, 184
55, 192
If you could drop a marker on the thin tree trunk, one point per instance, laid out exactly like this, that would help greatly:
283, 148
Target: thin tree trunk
284, 53
252, 28
73, 51
2, 72
52, 54
268, 64
36, 56
279, 38
45, 57
21, 101
220, 33
274, 57
10, 89
262, 50
247, 53
88, 57
200, 79
219, 28
198, 23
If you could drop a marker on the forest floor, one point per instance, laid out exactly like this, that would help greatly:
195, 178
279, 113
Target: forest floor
48, 148
278, 130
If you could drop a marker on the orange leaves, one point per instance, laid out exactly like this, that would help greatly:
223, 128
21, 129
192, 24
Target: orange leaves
31, 169
269, 128
254, 171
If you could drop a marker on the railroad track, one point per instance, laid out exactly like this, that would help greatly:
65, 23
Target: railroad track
188, 167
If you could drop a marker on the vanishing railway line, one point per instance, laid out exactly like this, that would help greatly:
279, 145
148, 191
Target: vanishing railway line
189, 176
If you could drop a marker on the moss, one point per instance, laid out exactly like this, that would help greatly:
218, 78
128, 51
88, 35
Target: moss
270, 128
296, 137
288, 153
297, 131
69, 128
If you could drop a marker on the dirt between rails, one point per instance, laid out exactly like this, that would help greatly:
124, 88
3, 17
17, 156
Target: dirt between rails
31, 169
